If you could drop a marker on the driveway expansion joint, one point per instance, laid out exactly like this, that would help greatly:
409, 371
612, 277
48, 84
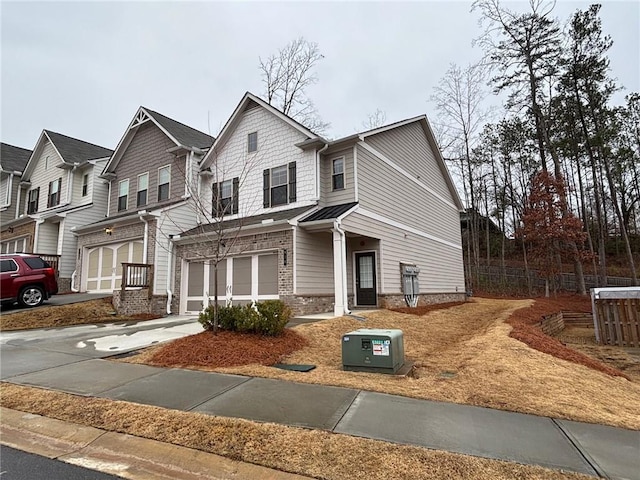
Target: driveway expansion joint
581, 451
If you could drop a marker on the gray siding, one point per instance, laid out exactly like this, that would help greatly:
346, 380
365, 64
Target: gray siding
47, 239
441, 266
45, 171
147, 152
408, 147
328, 196
10, 213
314, 262
385, 191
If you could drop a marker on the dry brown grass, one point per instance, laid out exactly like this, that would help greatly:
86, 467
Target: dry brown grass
464, 354
93, 311
314, 453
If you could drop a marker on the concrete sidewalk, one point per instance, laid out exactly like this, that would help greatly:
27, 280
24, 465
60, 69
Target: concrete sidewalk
560, 444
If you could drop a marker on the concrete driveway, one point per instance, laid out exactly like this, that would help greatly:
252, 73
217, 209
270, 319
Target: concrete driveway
64, 299
34, 350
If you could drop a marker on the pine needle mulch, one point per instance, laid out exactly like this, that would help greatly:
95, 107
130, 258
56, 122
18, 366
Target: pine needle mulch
462, 354
226, 349
313, 453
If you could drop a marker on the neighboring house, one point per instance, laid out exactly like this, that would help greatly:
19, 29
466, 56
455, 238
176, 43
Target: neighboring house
59, 190
323, 225
152, 180
12, 163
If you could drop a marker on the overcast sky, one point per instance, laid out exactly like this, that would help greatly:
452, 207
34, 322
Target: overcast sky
83, 69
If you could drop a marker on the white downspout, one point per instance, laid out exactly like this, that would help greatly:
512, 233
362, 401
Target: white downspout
340, 270
169, 273
17, 215
145, 239
109, 200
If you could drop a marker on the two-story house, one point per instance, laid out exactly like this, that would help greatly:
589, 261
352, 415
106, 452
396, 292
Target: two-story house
12, 163
323, 225
59, 190
152, 180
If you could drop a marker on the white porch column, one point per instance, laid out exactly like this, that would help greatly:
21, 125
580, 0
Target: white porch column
339, 254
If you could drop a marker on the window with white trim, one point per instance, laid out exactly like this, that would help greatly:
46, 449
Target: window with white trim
54, 193
85, 184
164, 182
279, 185
32, 201
225, 197
338, 174
252, 142
123, 195
143, 187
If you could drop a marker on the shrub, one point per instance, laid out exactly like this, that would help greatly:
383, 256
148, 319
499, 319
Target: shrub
265, 318
206, 318
275, 314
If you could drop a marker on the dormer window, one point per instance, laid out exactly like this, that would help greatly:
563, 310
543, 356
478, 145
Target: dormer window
252, 142
54, 193
123, 195
338, 174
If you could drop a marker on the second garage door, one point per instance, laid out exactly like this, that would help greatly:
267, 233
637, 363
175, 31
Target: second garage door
104, 265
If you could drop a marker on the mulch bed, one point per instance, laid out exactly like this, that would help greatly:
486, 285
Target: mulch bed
227, 349
523, 322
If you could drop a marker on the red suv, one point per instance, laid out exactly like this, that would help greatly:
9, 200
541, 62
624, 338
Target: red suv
26, 279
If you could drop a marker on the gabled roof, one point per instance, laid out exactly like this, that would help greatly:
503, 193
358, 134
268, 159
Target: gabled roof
13, 159
182, 135
71, 150
426, 127
249, 100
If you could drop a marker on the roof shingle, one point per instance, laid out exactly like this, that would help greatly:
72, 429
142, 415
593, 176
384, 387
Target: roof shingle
185, 135
13, 159
77, 151
329, 213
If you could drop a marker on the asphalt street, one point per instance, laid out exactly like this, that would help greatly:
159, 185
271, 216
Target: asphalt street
19, 465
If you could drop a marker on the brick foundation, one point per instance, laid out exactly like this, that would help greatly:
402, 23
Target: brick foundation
138, 301
397, 300
64, 285
309, 304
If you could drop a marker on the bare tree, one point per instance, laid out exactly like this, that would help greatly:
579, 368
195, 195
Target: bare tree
458, 98
375, 119
213, 200
287, 75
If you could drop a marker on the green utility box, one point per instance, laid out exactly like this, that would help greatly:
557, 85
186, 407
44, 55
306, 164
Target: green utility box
373, 350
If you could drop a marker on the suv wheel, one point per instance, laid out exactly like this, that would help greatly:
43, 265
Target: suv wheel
31, 296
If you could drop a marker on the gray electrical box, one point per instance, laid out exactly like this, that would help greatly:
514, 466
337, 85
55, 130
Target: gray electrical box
373, 350
410, 285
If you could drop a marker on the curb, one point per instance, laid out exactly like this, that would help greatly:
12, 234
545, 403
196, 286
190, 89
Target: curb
119, 454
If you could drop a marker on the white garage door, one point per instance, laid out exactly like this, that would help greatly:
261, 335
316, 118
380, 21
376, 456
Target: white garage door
103, 265
240, 279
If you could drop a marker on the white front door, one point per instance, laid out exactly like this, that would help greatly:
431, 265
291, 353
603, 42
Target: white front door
103, 265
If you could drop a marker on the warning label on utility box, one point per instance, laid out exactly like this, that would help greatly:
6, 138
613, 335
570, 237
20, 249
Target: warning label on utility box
381, 347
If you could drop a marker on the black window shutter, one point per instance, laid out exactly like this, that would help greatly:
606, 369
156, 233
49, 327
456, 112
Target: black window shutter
265, 183
215, 203
236, 184
49, 195
292, 182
